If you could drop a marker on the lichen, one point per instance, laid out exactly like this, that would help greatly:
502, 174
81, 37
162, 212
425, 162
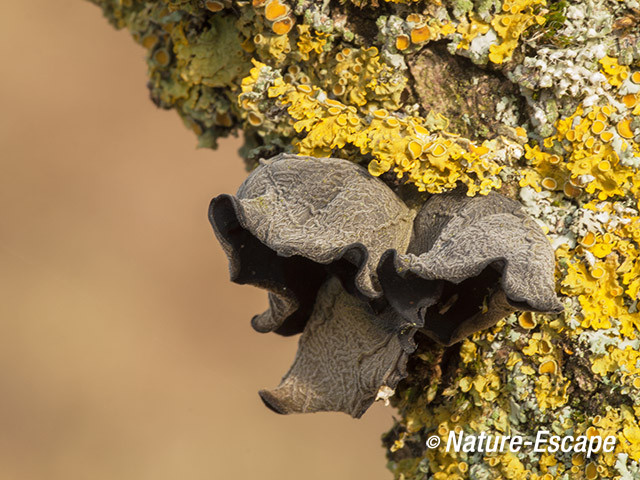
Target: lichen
434, 162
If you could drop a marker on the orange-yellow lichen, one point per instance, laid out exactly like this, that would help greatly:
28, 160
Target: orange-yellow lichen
214, 5
518, 16
310, 41
548, 367
551, 393
162, 57
614, 72
274, 10
368, 78
282, 26
402, 42
591, 162
527, 320
470, 29
434, 162
149, 41
624, 128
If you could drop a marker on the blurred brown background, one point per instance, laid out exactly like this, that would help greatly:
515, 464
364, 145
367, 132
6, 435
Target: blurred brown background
125, 352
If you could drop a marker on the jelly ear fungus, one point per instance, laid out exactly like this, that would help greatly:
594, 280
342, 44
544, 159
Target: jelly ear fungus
351, 267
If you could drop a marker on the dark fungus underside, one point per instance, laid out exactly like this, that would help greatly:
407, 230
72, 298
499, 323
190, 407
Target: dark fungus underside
346, 264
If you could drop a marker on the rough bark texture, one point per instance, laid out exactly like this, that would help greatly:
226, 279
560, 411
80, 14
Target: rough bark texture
464, 93
537, 99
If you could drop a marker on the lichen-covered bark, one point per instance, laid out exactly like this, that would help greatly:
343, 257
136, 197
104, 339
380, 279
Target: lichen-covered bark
537, 99
464, 93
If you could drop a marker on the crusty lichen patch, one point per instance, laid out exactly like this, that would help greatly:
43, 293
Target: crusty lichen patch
333, 79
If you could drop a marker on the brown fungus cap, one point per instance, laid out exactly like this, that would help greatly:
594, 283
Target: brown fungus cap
489, 257
296, 220
346, 264
346, 353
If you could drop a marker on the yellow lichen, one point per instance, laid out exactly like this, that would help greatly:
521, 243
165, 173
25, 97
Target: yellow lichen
434, 162
274, 10
518, 16
402, 42
614, 72
368, 78
310, 41
282, 26
470, 29
590, 163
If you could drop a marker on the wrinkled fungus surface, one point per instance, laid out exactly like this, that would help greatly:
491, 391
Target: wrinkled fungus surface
346, 264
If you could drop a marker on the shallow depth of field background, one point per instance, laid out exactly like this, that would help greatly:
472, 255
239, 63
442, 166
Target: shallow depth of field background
125, 352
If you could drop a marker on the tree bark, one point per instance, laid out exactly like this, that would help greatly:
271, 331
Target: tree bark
536, 99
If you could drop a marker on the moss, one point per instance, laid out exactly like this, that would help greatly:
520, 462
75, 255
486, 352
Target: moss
555, 20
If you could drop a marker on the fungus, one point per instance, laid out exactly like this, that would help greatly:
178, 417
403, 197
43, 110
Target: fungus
336, 250
296, 227
341, 332
488, 258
